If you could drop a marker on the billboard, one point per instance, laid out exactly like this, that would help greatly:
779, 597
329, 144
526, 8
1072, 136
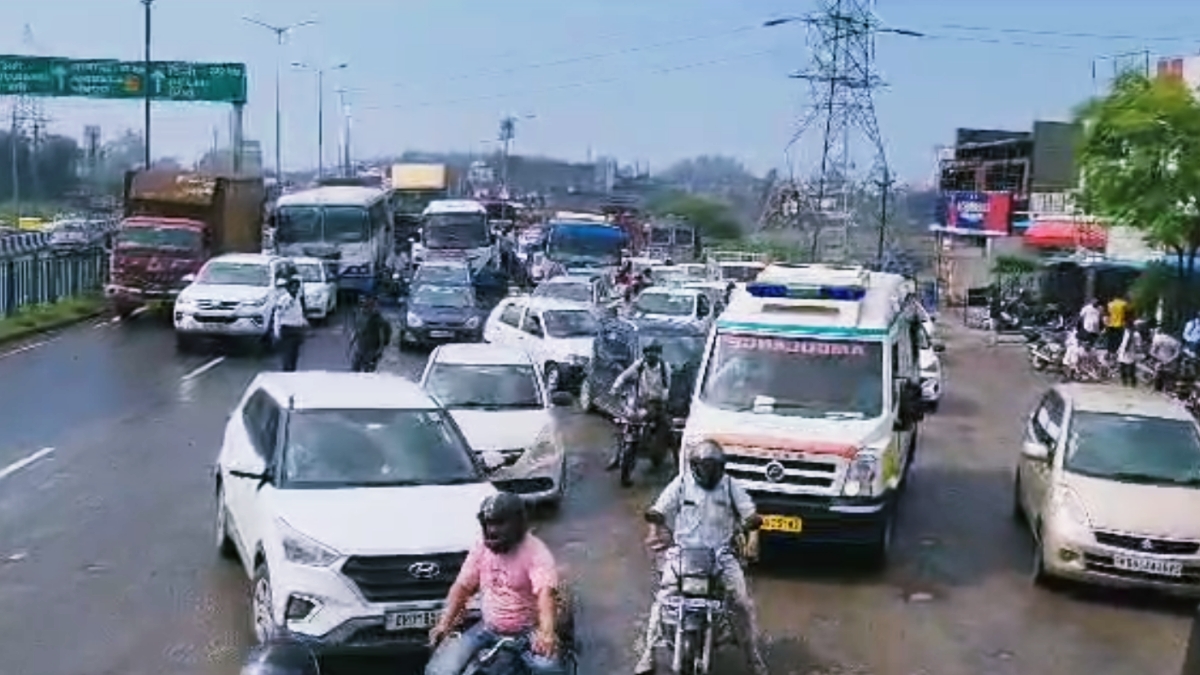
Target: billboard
988, 213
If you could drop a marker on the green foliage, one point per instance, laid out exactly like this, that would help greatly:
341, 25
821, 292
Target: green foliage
711, 217
1162, 285
38, 318
1013, 265
1140, 160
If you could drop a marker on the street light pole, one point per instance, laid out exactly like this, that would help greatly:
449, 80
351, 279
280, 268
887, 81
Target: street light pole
320, 110
146, 4
280, 32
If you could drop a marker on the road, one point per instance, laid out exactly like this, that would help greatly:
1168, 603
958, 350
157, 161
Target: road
107, 563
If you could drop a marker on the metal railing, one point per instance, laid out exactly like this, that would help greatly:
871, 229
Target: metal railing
46, 277
23, 243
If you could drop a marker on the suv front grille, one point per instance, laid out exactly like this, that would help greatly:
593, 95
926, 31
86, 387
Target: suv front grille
404, 578
1147, 544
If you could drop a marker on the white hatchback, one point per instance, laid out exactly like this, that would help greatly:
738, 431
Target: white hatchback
350, 499
320, 287
499, 400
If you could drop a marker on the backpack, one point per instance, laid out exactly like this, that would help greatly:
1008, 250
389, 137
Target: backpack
662, 372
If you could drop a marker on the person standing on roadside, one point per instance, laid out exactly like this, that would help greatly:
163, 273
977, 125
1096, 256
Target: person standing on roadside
1089, 323
290, 325
1116, 318
1128, 351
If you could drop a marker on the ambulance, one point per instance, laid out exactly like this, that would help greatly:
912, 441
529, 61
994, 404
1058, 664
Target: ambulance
810, 381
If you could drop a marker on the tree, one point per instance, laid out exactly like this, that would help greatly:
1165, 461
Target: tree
712, 218
1140, 162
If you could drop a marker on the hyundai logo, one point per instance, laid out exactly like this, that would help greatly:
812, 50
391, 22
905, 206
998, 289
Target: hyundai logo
1147, 545
425, 569
774, 471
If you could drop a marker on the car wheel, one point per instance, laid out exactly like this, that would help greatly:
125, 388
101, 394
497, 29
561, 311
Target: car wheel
262, 618
553, 377
1037, 568
586, 404
225, 545
879, 550
1018, 512
932, 406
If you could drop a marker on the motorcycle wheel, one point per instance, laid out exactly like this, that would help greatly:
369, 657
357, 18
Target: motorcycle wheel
1037, 363
628, 460
689, 663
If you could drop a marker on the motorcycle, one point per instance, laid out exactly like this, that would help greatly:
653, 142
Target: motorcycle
1046, 349
506, 657
636, 432
694, 618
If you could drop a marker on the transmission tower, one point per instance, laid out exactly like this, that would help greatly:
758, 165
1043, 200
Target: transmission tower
27, 120
841, 116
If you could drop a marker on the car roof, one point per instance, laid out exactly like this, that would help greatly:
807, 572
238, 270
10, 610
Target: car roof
664, 327
259, 258
443, 263
327, 390
309, 261
480, 354
540, 305
571, 279
1103, 398
673, 290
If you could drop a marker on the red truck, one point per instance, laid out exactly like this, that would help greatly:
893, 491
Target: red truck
174, 221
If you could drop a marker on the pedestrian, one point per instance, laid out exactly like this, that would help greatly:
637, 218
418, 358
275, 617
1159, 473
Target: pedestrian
372, 334
1191, 334
1089, 323
1164, 354
290, 325
1128, 351
1116, 316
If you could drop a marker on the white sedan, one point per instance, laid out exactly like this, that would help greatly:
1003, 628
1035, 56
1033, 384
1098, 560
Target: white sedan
501, 403
674, 304
320, 287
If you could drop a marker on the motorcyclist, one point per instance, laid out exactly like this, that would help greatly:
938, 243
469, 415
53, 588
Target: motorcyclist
704, 508
372, 335
517, 577
281, 658
651, 377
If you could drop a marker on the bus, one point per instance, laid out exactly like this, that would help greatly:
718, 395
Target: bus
349, 226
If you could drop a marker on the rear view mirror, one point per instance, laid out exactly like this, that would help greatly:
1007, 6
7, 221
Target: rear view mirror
939, 347
491, 460
1036, 451
188, 278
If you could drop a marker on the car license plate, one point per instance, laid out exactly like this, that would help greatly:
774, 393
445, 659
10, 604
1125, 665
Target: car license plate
441, 334
789, 524
410, 620
1166, 568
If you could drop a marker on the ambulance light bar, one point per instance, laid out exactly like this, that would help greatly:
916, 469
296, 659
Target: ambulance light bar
799, 292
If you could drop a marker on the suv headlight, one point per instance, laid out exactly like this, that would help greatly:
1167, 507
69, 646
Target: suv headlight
257, 302
472, 322
302, 550
862, 477
412, 319
185, 304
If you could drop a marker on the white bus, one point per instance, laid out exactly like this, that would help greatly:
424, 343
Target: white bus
347, 224
456, 229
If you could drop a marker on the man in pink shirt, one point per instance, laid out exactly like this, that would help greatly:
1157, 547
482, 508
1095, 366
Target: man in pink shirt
516, 575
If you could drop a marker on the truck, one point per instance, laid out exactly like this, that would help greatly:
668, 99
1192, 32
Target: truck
413, 187
172, 223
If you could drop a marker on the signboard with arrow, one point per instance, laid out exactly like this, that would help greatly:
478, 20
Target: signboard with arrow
107, 78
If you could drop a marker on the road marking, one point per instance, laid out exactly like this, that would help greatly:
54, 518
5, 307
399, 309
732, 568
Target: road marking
22, 463
27, 348
203, 369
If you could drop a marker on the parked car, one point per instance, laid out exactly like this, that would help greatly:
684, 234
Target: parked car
234, 296
1108, 481
320, 287
500, 401
557, 336
308, 462
620, 343
438, 314
933, 379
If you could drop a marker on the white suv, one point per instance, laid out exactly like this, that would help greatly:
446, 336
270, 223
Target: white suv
233, 296
351, 501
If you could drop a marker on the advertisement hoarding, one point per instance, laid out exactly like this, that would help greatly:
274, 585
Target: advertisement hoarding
984, 213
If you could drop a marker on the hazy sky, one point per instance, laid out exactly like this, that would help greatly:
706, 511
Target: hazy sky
648, 80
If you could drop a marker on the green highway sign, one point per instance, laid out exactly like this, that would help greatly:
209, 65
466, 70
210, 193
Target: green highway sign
107, 78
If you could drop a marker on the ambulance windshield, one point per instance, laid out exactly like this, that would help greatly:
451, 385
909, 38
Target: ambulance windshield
799, 377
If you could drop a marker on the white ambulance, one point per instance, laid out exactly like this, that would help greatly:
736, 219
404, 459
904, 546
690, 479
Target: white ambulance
811, 383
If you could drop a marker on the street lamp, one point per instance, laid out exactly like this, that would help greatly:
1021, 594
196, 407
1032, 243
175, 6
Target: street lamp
146, 82
280, 33
320, 110
508, 131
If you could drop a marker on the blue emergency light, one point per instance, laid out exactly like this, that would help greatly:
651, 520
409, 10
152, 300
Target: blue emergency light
795, 292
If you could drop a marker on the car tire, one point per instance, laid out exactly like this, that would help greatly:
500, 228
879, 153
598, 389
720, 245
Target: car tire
262, 621
880, 550
225, 545
1018, 512
932, 406
1037, 569
586, 404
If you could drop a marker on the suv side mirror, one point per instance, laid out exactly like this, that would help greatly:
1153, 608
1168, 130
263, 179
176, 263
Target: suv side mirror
939, 347
188, 278
491, 460
1035, 450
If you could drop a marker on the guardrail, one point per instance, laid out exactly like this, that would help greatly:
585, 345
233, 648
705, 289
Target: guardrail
45, 277
21, 244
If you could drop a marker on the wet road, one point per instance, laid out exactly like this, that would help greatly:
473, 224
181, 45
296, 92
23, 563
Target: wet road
107, 564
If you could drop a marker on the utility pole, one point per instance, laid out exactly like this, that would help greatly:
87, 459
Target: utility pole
842, 82
146, 4
14, 142
344, 160
320, 110
281, 33
885, 190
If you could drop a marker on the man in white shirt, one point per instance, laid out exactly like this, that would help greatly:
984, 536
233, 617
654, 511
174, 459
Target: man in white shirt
290, 325
1165, 351
1090, 319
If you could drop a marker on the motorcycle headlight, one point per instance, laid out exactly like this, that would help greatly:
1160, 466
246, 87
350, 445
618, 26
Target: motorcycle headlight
412, 319
302, 550
472, 322
694, 586
861, 477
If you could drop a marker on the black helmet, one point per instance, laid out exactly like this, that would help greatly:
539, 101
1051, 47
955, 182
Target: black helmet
281, 658
707, 462
653, 347
504, 522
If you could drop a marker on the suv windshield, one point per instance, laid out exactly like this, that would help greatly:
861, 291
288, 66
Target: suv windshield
442, 296
342, 448
671, 304
154, 237
235, 274
565, 323
795, 376
442, 274
484, 387
574, 292
309, 273
455, 230
1132, 448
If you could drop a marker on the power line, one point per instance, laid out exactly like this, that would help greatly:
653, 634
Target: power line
570, 85
1065, 34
